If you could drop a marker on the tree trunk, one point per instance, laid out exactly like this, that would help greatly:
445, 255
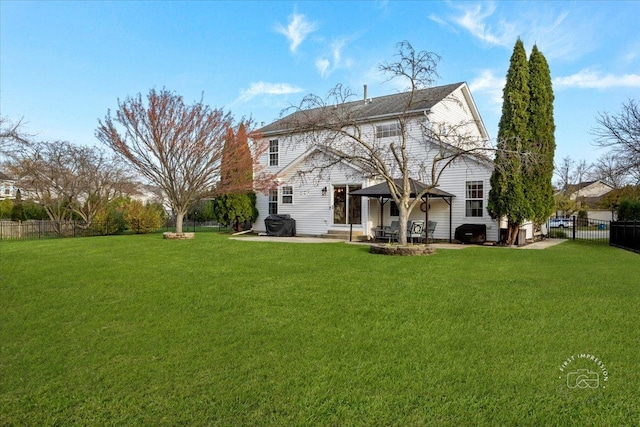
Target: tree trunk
179, 219
403, 219
512, 233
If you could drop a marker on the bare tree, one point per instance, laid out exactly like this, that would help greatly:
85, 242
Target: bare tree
177, 147
11, 136
621, 133
67, 179
336, 128
571, 173
609, 169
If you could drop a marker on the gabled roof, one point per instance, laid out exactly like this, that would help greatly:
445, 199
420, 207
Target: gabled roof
375, 108
4, 177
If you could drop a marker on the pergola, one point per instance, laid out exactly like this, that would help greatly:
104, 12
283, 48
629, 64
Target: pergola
383, 194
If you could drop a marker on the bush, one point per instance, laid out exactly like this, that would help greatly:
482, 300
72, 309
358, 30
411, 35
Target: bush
629, 210
235, 209
557, 234
143, 219
6, 207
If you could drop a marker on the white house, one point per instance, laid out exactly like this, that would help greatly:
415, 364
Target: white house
589, 194
323, 204
7, 187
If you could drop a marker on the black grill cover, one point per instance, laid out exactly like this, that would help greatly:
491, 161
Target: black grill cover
471, 233
280, 225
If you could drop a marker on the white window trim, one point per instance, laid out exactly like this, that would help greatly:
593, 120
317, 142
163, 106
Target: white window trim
467, 198
273, 202
283, 195
276, 153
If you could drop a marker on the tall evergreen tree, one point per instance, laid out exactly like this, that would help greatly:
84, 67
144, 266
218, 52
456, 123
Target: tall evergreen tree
539, 172
506, 197
235, 203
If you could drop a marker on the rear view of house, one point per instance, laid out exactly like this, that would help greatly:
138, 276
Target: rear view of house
324, 201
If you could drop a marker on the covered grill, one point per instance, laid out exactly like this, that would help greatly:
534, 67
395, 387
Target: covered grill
280, 225
471, 233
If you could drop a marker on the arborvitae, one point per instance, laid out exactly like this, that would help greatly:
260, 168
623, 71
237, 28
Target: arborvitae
541, 144
506, 197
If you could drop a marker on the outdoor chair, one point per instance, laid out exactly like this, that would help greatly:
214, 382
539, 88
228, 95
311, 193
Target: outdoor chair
414, 230
431, 229
392, 232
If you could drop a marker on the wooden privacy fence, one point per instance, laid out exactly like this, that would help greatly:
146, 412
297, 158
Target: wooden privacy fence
625, 235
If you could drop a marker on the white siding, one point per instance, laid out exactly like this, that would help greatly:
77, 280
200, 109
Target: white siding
312, 211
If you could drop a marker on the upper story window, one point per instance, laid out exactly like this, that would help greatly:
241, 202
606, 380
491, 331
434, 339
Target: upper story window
287, 194
474, 198
384, 131
273, 152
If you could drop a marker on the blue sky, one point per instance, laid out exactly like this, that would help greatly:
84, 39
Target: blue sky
64, 64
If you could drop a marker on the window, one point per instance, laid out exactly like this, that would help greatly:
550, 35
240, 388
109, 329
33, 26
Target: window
273, 202
287, 194
384, 131
393, 209
474, 199
273, 152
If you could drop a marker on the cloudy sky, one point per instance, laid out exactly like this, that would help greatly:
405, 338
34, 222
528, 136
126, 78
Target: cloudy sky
64, 64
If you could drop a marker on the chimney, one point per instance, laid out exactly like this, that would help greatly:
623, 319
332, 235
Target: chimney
365, 94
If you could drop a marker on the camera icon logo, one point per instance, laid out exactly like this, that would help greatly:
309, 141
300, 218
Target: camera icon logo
583, 378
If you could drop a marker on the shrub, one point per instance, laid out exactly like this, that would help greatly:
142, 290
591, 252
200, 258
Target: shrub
629, 210
6, 207
235, 209
142, 219
557, 234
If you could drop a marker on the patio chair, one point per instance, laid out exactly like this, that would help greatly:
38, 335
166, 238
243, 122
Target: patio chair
431, 229
392, 231
415, 230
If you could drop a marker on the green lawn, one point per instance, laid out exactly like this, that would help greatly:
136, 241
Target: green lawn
136, 330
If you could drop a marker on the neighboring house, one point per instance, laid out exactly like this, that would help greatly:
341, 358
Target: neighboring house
588, 195
324, 205
7, 187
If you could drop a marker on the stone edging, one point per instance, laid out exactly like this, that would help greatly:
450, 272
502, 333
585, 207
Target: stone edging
408, 250
178, 236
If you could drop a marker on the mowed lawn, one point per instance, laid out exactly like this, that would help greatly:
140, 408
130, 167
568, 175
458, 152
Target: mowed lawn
136, 330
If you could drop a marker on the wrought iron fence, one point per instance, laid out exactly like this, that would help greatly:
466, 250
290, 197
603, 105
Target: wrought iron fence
46, 229
626, 235
577, 228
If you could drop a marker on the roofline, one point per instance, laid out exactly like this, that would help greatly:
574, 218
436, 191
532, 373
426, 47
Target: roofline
457, 85
364, 120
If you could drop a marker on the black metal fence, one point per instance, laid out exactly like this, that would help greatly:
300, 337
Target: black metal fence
626, 235
576, 228
46, 229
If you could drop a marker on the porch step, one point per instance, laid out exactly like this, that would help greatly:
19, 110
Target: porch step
344, 235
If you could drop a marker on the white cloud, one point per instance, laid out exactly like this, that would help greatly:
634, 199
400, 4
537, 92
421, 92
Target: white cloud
264, 88
322, 65
560, 34
475, 18
589, 79
297, 30
488, 84
333, 60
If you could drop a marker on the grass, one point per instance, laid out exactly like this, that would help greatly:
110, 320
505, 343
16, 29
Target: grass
136, 330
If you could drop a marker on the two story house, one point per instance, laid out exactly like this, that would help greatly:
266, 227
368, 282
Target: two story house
323, 203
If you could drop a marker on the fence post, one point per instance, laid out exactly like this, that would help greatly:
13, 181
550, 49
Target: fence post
574, 226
